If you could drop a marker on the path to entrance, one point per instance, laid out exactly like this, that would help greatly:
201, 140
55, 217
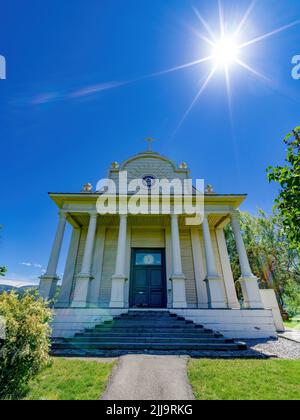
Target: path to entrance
143, 377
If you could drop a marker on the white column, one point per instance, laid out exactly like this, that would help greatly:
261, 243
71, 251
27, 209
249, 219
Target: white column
48, 281
209, 252
178, 278
249, 282
84, 277
55, 253
232, 298
244, 262
66, 287
95, 284
216, 298
117, 299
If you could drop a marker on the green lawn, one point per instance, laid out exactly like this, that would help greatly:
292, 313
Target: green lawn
68, 379
292, 324
245, 379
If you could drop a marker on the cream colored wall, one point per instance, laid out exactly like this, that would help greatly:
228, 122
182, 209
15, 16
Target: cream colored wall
147, 237
109, 265
218, 260
79, 258
188, 267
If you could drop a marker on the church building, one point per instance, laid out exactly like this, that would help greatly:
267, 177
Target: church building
155, 263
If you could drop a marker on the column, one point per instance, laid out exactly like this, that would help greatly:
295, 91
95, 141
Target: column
97, 266
117, 299
232, 298
66, 287
178, 278
216, 298
84, 277
48, 281
249, 282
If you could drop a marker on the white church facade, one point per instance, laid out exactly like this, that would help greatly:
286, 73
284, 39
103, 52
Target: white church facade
153, 262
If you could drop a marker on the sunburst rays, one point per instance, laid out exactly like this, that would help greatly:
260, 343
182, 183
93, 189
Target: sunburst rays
215, 40
229, 48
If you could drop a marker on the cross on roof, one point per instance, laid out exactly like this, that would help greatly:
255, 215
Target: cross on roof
150, 140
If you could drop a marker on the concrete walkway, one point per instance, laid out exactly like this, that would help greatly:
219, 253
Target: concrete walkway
293, 335
143, 377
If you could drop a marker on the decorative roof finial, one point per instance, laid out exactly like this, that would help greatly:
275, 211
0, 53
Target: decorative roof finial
87, 188
150, 140
209, 189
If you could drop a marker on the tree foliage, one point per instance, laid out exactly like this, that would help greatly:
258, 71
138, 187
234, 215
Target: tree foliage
270, 257
288, 200
24, 351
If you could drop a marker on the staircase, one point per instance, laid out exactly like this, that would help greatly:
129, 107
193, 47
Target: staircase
142, 331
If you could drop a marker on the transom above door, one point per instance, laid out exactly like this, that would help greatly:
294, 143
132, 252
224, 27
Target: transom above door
148, 278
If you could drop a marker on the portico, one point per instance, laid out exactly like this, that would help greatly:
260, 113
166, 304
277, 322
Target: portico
214, 286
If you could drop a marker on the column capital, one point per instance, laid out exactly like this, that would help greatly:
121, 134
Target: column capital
62, 214
234, 214
93, 215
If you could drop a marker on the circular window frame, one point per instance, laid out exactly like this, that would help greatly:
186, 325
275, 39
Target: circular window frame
144, 182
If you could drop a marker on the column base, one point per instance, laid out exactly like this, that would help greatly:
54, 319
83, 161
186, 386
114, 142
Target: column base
251, 293
179, 294
81, 290
215, 290
117, 292
47, 287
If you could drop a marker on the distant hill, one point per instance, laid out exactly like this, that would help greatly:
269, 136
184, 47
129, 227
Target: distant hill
17, 285
7, 288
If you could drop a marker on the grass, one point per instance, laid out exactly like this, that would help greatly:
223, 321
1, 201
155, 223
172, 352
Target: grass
68, 379
295, 324
245, 379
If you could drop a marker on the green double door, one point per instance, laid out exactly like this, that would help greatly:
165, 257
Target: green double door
148, 279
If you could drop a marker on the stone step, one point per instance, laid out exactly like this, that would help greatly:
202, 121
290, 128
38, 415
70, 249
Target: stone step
152, 315
147, 322
148, 313
146, 331
148, 334
147, 319
151, 346
141, 329
95, 340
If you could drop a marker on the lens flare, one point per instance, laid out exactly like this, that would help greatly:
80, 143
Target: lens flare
225, 51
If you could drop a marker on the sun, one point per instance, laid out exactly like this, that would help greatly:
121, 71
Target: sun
225, 51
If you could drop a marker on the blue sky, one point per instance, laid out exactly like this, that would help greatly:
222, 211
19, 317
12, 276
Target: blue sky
72, 103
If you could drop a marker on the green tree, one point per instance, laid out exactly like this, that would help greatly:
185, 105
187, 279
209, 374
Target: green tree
271, 259
288, 200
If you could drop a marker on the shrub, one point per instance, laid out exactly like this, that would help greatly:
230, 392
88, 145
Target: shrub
24, 352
